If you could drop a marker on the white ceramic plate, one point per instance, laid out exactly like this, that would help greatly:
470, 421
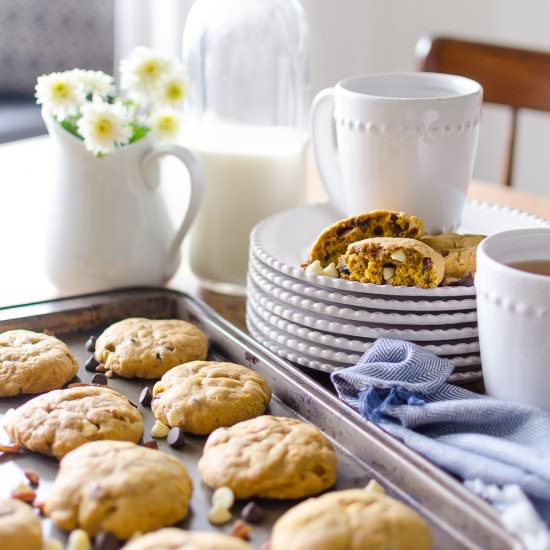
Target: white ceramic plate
282, 241
327, 366
326, 353
354, 299
347, 343
265, 288
351, 328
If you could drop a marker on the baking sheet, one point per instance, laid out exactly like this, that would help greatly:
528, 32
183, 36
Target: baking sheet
458, 519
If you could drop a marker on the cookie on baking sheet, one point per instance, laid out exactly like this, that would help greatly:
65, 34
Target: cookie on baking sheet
118, 487
385, 260
61, 420
200, 396
19, 526
178, 539
334, 240
269, 456
355, 519
146, 348
32, 362
459, 253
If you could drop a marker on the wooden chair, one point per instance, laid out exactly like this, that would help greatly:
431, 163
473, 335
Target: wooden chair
515, 77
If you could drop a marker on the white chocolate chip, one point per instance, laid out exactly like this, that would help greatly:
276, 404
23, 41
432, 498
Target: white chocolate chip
330, 271
79, 540
315, 267
218, 515
52, 544
399, 256
387, 273
159, 430
223, 497
375, 487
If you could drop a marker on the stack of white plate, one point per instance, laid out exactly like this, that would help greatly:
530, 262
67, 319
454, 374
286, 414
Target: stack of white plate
327, 323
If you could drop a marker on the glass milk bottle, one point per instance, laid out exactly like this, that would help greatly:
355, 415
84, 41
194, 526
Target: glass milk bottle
247, 67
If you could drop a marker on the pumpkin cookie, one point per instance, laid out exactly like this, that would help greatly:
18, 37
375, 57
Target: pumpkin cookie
355, 519
145, 348
385, 260
459, 252
32, 362
178, 539
62, 420
118, 487
200, 396
334, 240
19, 526
270, 457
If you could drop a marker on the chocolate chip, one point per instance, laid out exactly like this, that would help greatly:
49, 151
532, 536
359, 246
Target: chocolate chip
175, 438
146, 396
150, 444
100, 379
395, 229
378, 230
444, 253
90, 343
253, 513
159, 355
106, 541
91, 363
427, 263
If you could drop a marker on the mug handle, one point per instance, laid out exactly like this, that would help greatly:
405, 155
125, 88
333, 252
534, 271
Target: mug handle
325, 148
193, 166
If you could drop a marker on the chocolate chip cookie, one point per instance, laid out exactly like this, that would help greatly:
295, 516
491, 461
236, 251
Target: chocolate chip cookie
178, 539
390, 261
118, 487
270, 457
355, 519
145, 348
19, 526
334, 240
200, 396
62, 420
459, 253
32, 362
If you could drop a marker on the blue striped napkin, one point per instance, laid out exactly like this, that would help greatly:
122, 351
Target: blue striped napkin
403, 388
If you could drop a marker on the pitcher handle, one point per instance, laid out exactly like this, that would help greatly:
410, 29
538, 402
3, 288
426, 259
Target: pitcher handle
191, 162
325, 146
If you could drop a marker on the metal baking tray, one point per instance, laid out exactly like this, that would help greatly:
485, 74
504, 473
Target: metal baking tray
458, 519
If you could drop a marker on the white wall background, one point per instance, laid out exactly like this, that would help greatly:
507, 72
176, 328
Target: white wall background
357, 36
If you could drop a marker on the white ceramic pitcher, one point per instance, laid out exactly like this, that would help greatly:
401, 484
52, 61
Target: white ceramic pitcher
108, 225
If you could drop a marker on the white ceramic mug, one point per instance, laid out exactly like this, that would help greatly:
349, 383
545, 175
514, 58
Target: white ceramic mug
513, 309
404, 141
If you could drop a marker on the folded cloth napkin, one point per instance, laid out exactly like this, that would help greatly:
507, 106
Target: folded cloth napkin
403, 388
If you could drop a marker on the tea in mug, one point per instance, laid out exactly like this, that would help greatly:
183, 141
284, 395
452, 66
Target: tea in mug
538, 267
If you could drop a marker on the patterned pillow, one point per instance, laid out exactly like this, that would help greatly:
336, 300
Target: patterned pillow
52, 35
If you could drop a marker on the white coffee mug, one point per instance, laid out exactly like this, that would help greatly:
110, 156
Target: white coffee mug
404, 141
513, 311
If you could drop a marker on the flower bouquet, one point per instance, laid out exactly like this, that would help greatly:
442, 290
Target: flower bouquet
86, 103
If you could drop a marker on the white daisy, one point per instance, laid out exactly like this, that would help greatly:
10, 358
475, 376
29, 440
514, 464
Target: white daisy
60, 93
171, 90
104, 126
141, 72
165, 124
95, 82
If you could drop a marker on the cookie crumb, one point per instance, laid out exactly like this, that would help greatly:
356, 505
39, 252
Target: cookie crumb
33, 478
